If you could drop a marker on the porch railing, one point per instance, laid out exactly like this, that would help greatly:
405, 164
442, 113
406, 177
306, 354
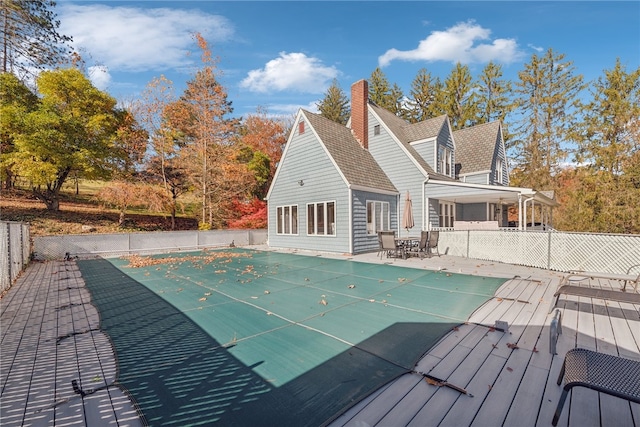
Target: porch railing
553, 250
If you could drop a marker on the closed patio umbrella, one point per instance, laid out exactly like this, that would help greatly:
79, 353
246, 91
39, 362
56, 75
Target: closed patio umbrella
407, 218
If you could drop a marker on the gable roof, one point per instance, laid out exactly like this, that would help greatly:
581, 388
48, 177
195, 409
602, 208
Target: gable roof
475, 147
355, 163
407, 132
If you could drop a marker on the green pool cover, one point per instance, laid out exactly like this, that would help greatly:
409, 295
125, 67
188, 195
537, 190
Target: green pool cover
246, 338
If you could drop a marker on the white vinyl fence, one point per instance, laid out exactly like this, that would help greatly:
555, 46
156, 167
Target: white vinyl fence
112, 245
552, 250
15, 250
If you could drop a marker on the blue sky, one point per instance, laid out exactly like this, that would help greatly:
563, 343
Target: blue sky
283, 55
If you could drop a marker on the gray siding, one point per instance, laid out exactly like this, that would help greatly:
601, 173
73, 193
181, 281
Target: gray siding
445, 139
363, 242
480, 178
427, 150
306, 160
403, 173
500, 154
434, 213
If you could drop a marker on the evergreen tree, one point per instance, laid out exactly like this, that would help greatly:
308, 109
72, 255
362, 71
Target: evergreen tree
335, 104
422, 97
459, 100
397, 97
611, 131
30, 38
493, 98
380, 90
547, 93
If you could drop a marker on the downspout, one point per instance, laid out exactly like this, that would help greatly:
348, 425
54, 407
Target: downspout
350, 220
425, 205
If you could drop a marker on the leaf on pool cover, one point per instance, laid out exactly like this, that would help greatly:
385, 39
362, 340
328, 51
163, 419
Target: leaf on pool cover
434, 382
512, 345
509, 369
323, 302
351, 286
206, 294
203, 299
267, 292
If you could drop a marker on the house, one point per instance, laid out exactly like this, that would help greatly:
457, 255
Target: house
336, 186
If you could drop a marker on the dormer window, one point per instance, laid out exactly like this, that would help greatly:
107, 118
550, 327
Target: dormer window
499, 171
444, 160
376, 130
301, 128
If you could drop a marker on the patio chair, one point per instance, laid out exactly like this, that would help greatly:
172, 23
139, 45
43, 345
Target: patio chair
381, 251
389, 245
433, 241
422, 244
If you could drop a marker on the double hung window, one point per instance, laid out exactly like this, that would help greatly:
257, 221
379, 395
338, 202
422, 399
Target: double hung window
377, 217
447, 214
321, 219
287, 217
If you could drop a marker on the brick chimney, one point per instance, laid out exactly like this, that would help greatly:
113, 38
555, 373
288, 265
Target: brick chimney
359, 112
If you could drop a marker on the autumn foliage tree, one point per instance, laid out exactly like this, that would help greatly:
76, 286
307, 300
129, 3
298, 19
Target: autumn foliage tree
124, 195
72, 128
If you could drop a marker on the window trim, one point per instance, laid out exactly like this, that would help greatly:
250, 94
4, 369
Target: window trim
446, 214
499, 173
372, 231
312, 217
281, 227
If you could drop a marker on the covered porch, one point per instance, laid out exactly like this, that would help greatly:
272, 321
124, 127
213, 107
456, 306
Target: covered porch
487, 206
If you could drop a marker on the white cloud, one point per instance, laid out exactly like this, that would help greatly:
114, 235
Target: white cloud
465, 42
135, 39
536, 48
99, 76
291, 71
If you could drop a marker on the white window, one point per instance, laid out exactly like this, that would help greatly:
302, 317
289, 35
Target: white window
378, 217
447, 214
321, 219
499, 164
444, 160
287, 219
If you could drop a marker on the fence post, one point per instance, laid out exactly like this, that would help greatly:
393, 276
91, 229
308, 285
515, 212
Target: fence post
549, 251
468, 243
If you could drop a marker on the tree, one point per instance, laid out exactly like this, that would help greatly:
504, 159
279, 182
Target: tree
125, 195
200, 119
459, 103
335, 104
72, 128
493, 97
30, 38
380, 90
16, 100
422, 97
264, 134
547, 93
605, 194
611, 130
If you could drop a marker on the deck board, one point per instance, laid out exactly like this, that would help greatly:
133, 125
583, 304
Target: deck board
517, 386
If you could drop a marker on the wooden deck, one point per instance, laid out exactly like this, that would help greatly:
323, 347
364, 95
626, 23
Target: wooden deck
512, 375
50, 336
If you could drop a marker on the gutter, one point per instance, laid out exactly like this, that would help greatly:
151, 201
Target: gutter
424, 203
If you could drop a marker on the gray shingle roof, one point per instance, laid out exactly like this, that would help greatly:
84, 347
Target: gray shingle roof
475, 147
357, 164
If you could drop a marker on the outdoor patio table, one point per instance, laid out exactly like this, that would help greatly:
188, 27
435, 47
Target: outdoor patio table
408, 243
